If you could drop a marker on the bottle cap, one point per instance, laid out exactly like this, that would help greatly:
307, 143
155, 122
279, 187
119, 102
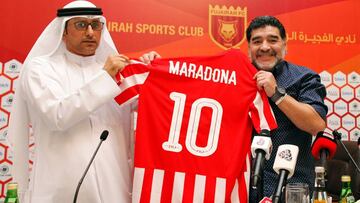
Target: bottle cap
11, 186
345, 178
319, 169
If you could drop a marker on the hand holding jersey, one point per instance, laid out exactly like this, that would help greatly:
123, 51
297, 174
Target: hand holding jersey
265, 81
148, 57
115, 63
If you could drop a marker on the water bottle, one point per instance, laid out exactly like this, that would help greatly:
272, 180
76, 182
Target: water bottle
346, 195
12, 193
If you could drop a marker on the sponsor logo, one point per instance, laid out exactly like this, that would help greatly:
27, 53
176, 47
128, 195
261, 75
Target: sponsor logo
13, 66
9, 100
260, 142
4, 169
285, 154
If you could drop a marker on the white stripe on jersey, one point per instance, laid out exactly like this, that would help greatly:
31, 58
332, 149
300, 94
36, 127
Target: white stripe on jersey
136, 79
156, 187
235, 193
199, 189
178, 188
131, 101
258, 102
247, 174
220, 190
137, 184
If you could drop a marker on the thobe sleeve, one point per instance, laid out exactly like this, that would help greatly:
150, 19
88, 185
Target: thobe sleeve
60, 109
19, 142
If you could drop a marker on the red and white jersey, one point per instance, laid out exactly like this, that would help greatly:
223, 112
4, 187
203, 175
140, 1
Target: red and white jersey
194, 127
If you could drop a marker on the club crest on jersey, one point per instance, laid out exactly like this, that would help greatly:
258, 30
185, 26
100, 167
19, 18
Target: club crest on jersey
227, 25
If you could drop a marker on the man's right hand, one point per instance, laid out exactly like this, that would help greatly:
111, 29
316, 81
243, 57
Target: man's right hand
115, 63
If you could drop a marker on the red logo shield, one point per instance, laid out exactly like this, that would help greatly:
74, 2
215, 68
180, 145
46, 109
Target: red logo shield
227, 25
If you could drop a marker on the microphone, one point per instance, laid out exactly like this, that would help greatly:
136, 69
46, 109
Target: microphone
103, 137
337, 136
284, 165
261, 148
323, 147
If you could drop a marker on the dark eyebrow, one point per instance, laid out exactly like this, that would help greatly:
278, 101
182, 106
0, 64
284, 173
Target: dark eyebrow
255, 38
85, 19
274, 36
269, 36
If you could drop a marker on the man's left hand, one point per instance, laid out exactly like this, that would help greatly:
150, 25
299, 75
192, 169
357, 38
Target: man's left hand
148, 57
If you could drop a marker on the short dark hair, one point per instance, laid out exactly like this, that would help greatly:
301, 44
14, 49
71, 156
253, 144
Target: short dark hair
263, 21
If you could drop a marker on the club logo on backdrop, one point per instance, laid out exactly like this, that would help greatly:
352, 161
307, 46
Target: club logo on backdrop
227, 25
285, 154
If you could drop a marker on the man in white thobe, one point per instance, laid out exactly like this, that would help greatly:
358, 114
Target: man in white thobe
65, 92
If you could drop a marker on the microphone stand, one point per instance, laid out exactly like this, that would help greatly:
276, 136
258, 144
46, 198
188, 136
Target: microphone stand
258, 181
103, 137
277, 197
258, 173
323, 157
337, 136
260, 188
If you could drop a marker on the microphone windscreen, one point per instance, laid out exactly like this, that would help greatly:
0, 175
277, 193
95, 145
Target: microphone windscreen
286, 158
261, 143
104, 135
322, 142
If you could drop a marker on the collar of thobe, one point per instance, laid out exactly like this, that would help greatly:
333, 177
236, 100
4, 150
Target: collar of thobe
82, 61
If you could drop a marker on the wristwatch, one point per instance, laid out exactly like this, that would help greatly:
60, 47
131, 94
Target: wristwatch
279, 95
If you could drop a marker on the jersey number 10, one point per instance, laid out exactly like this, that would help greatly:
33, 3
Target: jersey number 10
173, 144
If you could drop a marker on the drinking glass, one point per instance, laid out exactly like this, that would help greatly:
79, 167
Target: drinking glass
297, 193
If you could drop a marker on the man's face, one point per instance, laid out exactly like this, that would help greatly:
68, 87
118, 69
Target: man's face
266, 48
82, 40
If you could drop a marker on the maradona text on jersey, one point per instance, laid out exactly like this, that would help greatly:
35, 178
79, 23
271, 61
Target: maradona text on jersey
202, 72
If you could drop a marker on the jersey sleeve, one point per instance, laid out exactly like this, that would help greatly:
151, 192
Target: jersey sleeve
131, 78
261, 113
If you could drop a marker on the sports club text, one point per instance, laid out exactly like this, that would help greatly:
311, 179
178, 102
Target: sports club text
156, 29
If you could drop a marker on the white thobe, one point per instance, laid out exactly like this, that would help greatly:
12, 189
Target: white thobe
70, 102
